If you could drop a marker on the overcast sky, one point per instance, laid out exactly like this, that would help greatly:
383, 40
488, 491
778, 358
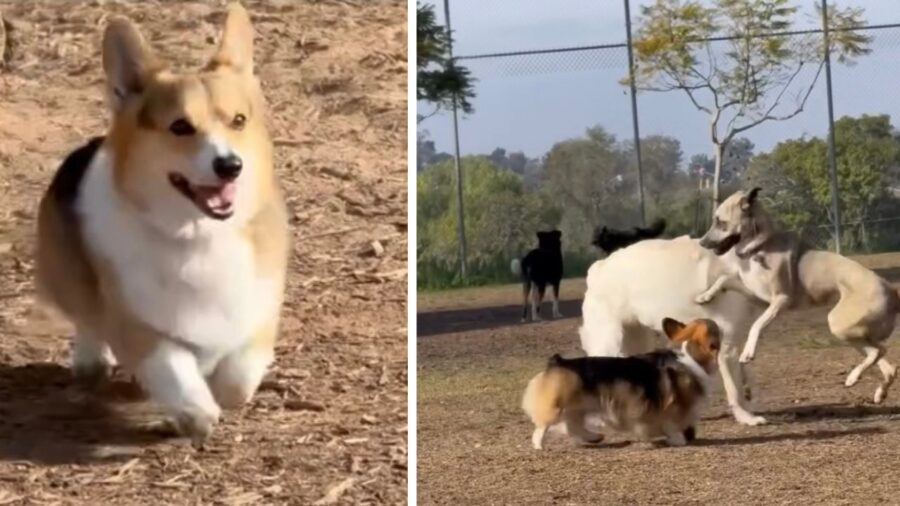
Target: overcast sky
528, 104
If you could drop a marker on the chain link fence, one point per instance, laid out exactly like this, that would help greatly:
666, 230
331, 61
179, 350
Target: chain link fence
560, 120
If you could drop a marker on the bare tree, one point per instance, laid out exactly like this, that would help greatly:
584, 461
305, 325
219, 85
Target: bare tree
755, 80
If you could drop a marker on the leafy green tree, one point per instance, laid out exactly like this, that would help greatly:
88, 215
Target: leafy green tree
661, 158
439, 80
867, 154
501, 218
593, 179
747, 84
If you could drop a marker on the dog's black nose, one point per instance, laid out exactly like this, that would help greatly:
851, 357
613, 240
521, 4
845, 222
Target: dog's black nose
228, 167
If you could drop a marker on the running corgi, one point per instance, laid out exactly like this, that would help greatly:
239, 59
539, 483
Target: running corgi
165, 242
650, 395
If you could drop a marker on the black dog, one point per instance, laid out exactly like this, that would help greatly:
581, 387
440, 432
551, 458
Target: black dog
540, 267
610, 240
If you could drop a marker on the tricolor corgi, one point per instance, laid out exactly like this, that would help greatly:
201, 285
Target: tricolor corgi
166, 241
650, 395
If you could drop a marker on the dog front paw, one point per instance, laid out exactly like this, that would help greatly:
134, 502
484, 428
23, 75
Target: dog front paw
196, 425
703, 298
747, 356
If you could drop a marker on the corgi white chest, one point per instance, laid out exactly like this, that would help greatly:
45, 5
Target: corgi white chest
202, 291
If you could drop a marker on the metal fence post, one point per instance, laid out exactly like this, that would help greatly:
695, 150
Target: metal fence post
832, 162
634, 113
460, 215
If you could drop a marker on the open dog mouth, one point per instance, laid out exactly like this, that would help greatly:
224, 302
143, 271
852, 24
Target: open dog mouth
726, 244
215, 201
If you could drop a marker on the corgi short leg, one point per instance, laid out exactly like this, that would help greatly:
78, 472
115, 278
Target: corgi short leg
537, 437
172, 377
238, 375
92, 359
674, 437
690, 434
576, 429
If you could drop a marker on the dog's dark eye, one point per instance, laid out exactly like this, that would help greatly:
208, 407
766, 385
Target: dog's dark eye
182, 127
238, 121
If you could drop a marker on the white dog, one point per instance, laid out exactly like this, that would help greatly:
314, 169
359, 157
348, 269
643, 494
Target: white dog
630, 293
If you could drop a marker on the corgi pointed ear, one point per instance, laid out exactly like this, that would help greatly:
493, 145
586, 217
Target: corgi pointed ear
672, 328
127, 61
236, 48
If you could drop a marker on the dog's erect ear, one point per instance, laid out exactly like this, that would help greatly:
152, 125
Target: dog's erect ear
750, 198
236, 48
557, 233
127, 61
672, 328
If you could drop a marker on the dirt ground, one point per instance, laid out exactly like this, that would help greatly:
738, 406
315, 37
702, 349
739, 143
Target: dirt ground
825, 444
330, 423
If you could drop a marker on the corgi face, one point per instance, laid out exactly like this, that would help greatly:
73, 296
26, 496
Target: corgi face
702, 339
187, 149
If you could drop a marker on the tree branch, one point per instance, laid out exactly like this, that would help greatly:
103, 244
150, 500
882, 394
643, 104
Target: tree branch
768, 115
422, 117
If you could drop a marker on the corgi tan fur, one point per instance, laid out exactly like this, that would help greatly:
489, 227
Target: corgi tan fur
166, 242
777, 267
650, 395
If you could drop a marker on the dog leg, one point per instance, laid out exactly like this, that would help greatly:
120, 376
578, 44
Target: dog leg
92, 359
729, 368
526, 289
575, 428
674, 437
778, 302
556, 313
537, 296
171, 375
890, 373
711, 292
872, 354
537, 437
747, 381
690, 434
238, 375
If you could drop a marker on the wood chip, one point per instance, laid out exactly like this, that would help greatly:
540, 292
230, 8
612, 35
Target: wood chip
377, 248
303, 405
241, 499
2, 40
7, 497
335, 492
122, 472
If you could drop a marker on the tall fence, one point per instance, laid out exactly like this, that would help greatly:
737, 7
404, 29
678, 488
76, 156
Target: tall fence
564, 121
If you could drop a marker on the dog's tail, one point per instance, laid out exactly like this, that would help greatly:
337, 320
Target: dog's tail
654, 230
547, 393
516, 267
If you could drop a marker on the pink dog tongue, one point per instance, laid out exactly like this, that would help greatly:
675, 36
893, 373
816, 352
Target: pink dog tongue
217, 196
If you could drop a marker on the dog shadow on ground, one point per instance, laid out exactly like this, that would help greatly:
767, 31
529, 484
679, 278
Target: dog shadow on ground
832, 411
464, 320
810, 435
47, 418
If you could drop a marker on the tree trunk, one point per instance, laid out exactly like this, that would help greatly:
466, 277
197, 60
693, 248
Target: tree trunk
717, 176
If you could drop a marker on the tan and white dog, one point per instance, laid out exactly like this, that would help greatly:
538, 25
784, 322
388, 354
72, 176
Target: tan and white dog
165, 242
778, 268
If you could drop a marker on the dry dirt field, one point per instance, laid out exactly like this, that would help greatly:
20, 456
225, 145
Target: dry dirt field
825, 444
330, 423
